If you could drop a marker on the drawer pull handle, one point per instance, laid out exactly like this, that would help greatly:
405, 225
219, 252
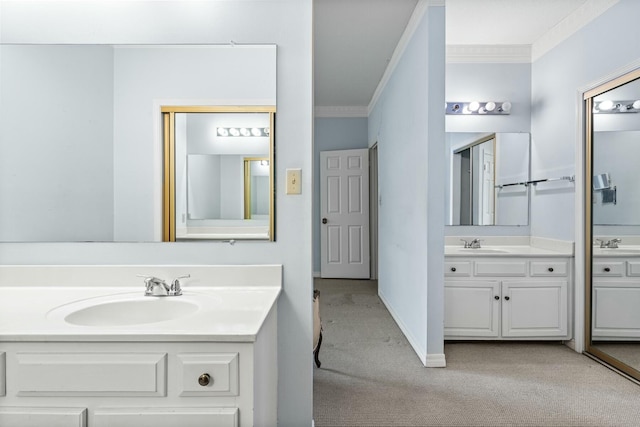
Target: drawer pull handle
453, 269
204, 380
507, 298
607, 269
496, 297
550, 269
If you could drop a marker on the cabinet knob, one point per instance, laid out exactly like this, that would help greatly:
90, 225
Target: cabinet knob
507, 298
204, 380
496, 297
550, 269
453, 269
607, 269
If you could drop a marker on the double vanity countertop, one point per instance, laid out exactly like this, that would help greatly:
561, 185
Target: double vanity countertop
218, 303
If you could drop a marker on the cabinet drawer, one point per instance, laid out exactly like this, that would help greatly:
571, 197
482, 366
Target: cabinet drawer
633, 268
501, 268
25, 416
611, 269
166, 417
549, 268
457, 268
90, 374
208, 374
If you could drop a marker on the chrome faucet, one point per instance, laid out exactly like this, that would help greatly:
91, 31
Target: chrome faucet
473, 244
176, 288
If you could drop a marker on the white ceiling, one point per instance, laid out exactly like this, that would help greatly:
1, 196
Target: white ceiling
355, 39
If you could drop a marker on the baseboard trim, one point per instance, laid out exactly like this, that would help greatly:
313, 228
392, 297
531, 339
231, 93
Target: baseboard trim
316, 274
412, 341
436, 361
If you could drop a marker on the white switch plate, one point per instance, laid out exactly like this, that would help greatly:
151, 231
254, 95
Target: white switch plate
294, 181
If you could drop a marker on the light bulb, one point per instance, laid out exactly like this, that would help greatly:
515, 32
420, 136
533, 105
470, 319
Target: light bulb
506, 106
234, 132
490, 106
245, 132
606, 105
222, 132
636, 104
474, 106
266, 131
256, 132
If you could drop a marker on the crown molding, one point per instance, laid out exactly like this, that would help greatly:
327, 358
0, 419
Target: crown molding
570, 25
515, 54
341, 112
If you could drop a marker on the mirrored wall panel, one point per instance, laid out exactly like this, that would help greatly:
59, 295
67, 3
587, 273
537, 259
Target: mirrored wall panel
81, 150
488, 179
613, 232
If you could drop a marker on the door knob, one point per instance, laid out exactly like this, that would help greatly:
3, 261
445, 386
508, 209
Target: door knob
324, 220
204, 380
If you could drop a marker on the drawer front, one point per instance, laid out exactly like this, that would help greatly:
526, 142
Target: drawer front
166, 417
43, 417
608, 269
91, 374
457, 268
208, 374
549, 268
633, 268
501, 268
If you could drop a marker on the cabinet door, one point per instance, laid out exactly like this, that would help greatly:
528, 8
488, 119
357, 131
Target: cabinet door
471, 309
534, 309
615, 310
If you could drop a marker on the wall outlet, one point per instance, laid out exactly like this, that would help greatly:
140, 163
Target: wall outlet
294, 181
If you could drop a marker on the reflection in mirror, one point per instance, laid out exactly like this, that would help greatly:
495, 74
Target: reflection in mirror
218, 177
487, 179
613, 200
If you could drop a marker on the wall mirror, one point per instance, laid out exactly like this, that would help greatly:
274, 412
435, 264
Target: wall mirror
218, 173
612, 198
487, 179
81, 132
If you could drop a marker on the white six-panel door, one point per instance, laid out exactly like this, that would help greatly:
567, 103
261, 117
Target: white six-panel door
344, 212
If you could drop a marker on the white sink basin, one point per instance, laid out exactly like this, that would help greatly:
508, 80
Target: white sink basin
124, 310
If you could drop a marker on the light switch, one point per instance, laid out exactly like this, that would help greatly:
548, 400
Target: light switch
294, 178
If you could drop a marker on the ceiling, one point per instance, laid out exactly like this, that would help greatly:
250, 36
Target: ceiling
354, 40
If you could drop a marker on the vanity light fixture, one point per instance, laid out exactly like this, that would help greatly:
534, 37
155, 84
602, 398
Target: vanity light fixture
478, 108
612, 107
240, 131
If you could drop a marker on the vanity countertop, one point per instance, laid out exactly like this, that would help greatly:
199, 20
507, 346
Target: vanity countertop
505, 251
219, 313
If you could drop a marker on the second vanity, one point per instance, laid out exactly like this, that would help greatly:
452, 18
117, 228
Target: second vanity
510, 288
107, 355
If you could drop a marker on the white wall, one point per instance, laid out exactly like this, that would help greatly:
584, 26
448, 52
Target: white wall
171, 22
407, 122
56, 135
590, 54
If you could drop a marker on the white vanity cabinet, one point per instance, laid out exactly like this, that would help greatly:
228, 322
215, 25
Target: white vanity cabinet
615, 302
507, 298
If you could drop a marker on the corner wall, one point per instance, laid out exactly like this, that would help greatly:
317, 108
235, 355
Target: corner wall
407, 122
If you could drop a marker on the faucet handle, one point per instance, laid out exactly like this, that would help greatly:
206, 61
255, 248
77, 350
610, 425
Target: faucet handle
466, 243
176, 288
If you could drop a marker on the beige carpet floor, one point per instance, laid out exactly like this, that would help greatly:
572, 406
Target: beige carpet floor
370, 376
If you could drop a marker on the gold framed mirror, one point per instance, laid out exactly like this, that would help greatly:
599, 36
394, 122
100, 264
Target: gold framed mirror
218, 179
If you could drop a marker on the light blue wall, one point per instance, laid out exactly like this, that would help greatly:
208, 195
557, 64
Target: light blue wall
607, 43
407, 122
176, 22
332, 134
489, 82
